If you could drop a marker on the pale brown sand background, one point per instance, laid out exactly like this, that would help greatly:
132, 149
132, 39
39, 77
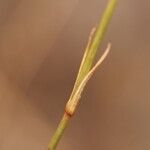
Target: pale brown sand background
41, 45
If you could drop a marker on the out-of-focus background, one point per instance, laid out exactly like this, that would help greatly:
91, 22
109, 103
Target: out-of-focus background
41, 46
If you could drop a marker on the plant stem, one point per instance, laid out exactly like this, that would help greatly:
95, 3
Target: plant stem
59, 132
96, 42
85, 67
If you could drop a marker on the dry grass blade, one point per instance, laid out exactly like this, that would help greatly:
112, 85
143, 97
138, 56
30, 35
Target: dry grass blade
73, 102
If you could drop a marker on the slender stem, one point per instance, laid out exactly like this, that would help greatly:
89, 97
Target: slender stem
84, 70
59, 132
96, 42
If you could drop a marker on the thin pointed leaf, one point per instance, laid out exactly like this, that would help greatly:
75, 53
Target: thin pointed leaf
73, 102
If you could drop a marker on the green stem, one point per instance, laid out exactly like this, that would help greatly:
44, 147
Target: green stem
96, 41
84, 69
59, 132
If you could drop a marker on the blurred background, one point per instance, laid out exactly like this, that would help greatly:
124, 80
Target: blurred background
41, 46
